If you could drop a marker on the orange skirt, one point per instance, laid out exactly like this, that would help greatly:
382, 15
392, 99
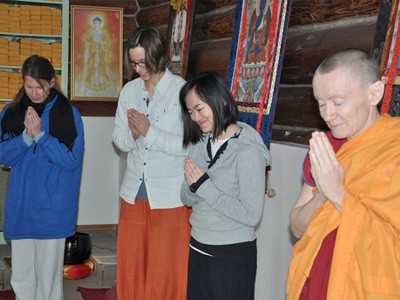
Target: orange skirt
152, 252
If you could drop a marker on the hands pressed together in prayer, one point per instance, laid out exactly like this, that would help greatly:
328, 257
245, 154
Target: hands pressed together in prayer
192, 171
138, 123
326, 170
32, 122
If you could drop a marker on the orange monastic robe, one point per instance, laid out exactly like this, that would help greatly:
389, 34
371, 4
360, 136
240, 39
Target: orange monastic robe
366, 257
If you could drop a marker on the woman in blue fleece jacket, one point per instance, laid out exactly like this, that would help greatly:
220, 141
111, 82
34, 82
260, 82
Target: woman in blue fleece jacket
225, 186
42, 141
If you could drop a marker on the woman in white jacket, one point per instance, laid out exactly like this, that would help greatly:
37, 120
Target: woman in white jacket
153, 230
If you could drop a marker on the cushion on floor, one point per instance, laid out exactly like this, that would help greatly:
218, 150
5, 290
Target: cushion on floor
79, 271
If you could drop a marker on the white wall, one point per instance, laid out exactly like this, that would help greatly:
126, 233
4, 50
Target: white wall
99, 200
274, 240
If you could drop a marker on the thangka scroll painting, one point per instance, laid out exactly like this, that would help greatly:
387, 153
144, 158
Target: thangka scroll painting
256, 59
179, 35
386, 49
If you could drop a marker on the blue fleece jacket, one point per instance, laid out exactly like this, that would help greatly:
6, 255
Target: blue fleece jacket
43, 188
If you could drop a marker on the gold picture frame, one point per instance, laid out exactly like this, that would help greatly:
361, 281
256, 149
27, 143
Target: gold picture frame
96, 53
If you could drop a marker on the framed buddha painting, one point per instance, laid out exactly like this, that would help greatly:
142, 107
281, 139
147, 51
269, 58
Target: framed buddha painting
96, 53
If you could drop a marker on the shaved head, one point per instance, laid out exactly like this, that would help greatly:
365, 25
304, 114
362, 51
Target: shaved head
363, 67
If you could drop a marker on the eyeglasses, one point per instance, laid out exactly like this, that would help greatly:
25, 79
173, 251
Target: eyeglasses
140, 64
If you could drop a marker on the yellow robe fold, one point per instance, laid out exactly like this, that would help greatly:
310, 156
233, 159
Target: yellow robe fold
366, 259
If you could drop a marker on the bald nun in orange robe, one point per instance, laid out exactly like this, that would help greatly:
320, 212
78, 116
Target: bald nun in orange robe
349, 223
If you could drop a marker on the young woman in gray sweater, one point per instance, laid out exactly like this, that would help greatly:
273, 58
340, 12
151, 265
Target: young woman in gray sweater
225, 186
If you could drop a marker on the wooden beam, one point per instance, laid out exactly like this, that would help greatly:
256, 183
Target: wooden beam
211, 55
307, 46
129, 26
213, 25
147, 3
296, 107
154, 16
129, 7
204, 6
306, 12
96, 108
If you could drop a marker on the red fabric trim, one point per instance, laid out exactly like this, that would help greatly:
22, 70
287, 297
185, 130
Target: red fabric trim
316, 286
391, 76
239, 54
189, 14
271, 37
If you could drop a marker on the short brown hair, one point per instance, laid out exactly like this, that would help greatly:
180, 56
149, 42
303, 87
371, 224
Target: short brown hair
154, 46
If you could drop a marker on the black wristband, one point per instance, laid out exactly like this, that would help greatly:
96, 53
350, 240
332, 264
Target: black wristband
194, 186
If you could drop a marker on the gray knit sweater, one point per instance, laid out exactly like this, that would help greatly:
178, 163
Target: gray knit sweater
228, 205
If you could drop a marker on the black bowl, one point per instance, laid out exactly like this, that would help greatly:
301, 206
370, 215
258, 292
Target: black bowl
78, 248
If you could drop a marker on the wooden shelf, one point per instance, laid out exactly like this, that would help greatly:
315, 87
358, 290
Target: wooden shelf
62, 39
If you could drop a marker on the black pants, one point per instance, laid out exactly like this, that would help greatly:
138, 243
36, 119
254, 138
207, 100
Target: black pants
218, 278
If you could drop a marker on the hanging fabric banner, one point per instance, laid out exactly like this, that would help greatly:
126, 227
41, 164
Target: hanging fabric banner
179, 35
256, 59
386, 50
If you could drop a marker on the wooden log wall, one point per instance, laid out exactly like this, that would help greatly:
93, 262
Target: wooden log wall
316, 28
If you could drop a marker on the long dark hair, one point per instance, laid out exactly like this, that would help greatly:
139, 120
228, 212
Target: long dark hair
211, 88
154, 46
41, 70
61, 117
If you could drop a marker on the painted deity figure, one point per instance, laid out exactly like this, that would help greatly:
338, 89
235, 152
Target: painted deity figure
97, 50
254, 50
